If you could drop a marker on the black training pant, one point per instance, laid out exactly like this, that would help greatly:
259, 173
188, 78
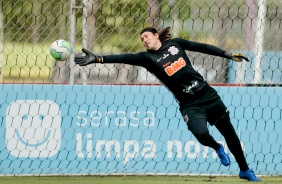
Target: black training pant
210, 108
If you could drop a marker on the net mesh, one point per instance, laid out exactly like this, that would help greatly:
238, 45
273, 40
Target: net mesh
124, 120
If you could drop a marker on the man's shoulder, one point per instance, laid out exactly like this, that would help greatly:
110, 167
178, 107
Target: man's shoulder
174, 41
179, 40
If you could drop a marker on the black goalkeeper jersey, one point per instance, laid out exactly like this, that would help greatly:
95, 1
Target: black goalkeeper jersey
171, 65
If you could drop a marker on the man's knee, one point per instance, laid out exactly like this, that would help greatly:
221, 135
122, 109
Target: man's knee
204, 139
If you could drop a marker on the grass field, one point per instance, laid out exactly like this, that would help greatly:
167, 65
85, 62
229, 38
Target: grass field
22, 61
131, 180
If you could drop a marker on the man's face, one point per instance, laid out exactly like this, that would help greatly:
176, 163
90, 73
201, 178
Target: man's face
151, 41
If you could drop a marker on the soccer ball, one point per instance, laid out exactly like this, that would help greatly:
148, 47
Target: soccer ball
60, 50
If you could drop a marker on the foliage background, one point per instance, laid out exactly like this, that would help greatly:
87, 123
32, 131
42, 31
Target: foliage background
28, 27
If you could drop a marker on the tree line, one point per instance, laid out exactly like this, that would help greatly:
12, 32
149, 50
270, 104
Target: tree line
121, 21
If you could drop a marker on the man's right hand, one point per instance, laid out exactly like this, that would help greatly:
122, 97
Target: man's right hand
89, 58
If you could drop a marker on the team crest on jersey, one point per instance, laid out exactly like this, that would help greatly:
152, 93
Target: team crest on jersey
173, 50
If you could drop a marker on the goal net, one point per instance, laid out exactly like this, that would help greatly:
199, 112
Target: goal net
60, 118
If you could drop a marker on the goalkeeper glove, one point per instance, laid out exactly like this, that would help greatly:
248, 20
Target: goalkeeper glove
238, 57
89, 58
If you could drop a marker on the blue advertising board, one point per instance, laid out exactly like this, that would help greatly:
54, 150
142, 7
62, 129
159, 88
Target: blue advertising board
107, 129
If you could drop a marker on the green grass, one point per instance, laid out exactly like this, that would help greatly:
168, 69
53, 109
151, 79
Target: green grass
131, 180
31, 62
27, 61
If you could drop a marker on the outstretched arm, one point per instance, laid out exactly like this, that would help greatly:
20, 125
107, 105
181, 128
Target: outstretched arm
209, 49
89, 58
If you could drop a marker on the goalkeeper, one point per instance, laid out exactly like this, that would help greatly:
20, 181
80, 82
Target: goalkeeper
199, 103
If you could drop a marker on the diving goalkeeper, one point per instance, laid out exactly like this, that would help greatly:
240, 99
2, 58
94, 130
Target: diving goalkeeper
199, 102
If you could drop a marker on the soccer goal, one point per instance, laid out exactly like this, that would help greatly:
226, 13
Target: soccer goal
58, 118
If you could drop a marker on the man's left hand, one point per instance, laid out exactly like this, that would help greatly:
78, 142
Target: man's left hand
238, 57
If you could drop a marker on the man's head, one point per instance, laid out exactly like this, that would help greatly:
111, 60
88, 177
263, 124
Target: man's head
150, 38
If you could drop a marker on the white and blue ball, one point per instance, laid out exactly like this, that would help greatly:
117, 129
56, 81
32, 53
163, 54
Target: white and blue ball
60, 50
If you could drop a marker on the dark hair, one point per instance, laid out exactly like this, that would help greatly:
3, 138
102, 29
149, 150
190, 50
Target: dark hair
163, 34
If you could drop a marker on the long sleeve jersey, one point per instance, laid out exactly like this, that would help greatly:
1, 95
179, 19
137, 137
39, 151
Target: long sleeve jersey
171, 65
